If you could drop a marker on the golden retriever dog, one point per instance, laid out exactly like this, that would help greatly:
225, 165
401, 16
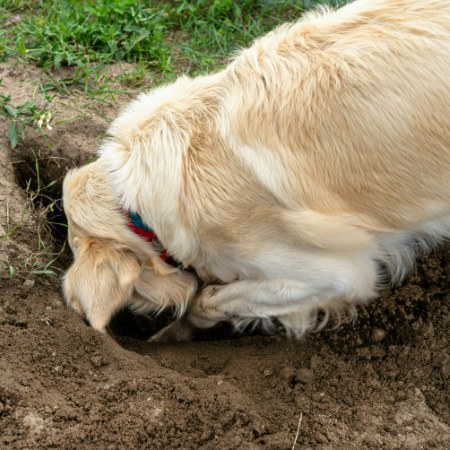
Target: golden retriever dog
293, 181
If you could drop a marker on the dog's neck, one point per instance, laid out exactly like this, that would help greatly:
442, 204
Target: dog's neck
136, 225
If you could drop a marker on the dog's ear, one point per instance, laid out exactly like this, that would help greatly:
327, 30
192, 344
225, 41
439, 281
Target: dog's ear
101, 280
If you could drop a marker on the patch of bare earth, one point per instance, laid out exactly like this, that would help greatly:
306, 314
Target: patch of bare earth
382, 383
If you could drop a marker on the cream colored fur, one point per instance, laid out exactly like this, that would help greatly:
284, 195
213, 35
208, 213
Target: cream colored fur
319, 156
113, 266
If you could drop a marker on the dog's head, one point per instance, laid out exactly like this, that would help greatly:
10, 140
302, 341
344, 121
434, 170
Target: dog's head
113, 267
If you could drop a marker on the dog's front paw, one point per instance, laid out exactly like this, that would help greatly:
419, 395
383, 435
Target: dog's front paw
179, 331
210, 291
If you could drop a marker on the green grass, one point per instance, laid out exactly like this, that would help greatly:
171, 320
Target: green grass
72, 32
161, 37
10, 268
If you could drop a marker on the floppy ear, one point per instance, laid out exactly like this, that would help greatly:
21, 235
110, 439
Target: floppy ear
100, 281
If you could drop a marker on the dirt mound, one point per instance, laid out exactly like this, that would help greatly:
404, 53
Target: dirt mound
380, 382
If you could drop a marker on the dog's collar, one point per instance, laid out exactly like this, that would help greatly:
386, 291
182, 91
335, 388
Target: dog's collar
136, 225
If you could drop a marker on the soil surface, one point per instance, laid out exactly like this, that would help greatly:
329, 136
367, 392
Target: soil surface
381, 382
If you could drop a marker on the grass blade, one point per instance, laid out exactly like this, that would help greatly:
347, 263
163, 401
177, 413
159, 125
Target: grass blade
12, 229
45, 137
13, 134
44, 272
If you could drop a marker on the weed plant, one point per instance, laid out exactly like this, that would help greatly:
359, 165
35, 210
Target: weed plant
154, 34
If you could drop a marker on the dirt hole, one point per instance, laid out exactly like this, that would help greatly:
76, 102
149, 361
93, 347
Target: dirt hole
44, 175
41, 177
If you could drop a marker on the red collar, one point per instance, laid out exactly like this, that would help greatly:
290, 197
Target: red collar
137, 226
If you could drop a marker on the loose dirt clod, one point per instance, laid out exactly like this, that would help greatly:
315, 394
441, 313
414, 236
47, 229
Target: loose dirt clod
378, 335
29, 283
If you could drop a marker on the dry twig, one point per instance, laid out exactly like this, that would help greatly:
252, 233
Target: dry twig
298, 430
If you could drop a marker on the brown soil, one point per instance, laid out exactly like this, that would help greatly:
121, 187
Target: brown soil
382, 382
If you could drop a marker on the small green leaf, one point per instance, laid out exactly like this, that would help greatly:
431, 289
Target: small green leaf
67, 120
12, 111
22, 48
44, 272
26, 106
47, 87
10, 267
50, 184
57, 61
13, 134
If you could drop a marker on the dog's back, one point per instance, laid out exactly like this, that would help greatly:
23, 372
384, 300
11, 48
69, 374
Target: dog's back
356, 105
320, 151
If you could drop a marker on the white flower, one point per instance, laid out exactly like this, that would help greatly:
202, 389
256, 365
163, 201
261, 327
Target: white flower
49, 117
40, 122
49, 127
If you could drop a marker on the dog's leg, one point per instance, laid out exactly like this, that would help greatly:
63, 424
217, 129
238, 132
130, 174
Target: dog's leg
292, 300
183, 329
